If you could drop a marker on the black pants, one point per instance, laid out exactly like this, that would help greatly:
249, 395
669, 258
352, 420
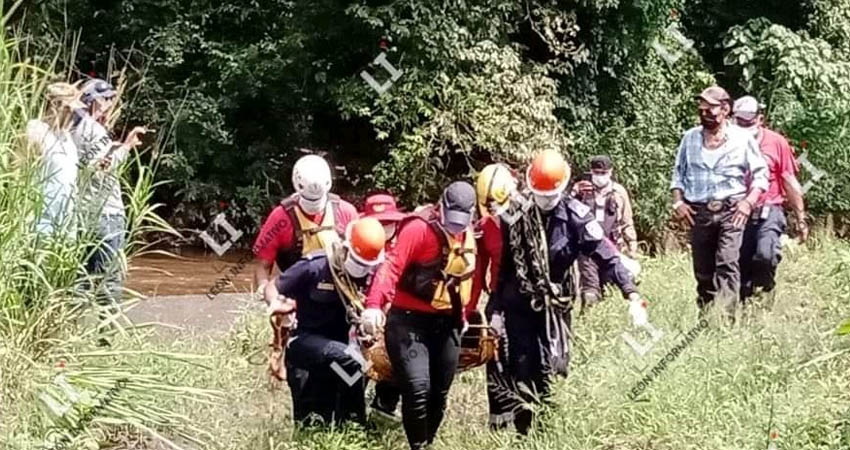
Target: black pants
423, 349
761, 250
326, 381
715, 247
387, 396
521, 377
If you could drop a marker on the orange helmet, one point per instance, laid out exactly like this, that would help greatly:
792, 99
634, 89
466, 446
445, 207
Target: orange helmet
548, 174
366, 239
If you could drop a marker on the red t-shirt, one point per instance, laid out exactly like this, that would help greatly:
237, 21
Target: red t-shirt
780, 161
417, 243
489, 251
278, 234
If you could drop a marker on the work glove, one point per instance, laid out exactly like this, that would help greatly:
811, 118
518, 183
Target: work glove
497, 323
371, 321
637, 310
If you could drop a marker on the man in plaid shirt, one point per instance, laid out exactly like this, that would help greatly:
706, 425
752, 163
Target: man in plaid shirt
718, 177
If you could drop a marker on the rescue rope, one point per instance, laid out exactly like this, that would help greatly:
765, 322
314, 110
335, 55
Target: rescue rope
352, 298
530, 251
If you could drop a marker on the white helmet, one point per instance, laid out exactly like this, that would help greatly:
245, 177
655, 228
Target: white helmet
311, 178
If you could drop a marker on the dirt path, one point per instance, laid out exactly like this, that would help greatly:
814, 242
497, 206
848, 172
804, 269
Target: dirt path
195, 314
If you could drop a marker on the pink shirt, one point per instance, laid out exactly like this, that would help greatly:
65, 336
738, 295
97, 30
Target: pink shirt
779, 157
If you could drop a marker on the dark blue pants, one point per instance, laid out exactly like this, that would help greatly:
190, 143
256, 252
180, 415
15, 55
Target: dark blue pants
326, 381
761, 250
522, 375
423, 349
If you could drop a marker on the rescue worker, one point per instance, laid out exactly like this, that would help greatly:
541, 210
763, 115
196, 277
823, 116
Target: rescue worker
760, 246
308, 220
428, 276
383, 208
718, 176
610, 204
529, 248
323, 366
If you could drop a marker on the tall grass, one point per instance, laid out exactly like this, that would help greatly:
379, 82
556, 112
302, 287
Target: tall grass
51, 372
782, 368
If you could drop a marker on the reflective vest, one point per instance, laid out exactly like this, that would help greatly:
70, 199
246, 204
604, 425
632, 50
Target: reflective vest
605, 214
308, 236
429, 281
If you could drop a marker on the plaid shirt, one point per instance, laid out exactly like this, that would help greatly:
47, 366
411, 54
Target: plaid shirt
740, 161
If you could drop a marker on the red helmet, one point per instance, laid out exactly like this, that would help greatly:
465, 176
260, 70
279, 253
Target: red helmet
548, 174
366, 239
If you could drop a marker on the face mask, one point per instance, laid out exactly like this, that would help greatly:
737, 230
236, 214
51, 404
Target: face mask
311, 206
454, 229
601, 180
389, 231
354, 268
708, 120
547, 203
497, 209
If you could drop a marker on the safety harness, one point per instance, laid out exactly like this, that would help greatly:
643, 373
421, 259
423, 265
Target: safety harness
445, 282
308, 236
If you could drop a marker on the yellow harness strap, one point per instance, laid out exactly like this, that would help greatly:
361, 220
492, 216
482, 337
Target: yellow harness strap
315, 237
460, 265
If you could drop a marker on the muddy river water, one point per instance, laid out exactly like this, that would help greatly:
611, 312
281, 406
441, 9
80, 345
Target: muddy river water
191, 271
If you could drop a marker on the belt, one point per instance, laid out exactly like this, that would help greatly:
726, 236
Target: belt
716, 205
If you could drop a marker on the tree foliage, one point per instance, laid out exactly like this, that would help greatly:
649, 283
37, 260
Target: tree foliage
247, 84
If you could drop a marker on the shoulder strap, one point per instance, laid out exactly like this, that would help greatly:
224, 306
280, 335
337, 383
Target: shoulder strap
352, 298
289, 204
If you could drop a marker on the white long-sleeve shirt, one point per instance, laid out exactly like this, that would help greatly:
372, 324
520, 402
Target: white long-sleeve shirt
59, 159
101, 188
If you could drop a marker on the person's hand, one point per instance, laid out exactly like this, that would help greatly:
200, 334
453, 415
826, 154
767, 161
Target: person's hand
742, 213
802, 227
497, 323
134, 138
685, 213
281, 305
584, 187
638, 310
372, 320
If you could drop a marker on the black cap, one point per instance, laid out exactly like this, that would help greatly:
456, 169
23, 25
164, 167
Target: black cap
601, 162
458, 202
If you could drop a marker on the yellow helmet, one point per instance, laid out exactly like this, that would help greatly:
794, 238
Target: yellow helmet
496, 185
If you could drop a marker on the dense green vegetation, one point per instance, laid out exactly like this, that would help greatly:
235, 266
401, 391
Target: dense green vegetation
236, 90
247, 84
